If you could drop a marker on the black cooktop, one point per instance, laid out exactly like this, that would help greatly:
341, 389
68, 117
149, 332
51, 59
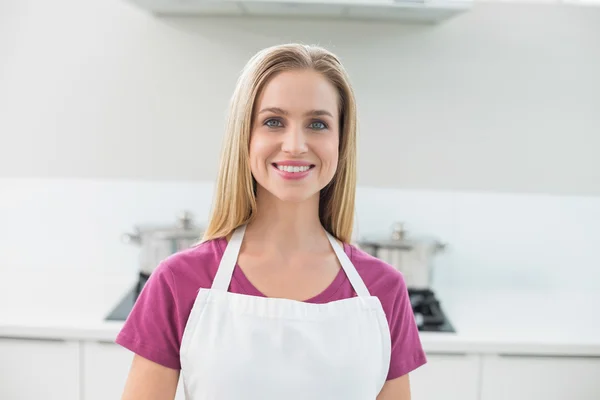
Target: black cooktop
428, 312
123, 308
429, 315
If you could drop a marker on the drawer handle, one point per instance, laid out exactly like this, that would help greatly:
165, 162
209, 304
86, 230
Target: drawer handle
549, 355
33, 339
106, 342
447, 354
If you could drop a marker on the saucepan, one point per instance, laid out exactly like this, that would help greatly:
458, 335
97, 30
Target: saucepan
414, 257
157, 242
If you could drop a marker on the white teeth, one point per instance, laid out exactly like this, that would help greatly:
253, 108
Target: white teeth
289, 168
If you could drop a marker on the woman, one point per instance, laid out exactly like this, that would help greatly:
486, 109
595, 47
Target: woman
275, 303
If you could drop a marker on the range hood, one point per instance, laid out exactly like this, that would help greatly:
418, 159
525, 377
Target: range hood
414, 11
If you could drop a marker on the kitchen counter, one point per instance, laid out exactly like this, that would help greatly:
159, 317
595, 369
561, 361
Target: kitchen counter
68, 305
72, 306
522, 321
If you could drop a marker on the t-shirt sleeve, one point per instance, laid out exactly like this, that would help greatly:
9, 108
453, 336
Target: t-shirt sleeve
407, 350
152, 327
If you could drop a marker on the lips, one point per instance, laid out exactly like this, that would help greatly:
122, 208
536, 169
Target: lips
294, 163
293, 169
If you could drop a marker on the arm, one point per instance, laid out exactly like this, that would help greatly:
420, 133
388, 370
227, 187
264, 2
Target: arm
148, 380
407, 353
396, 389
152, 332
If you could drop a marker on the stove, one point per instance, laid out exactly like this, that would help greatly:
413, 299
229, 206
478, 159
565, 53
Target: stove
123, 308
429, 315
426, 307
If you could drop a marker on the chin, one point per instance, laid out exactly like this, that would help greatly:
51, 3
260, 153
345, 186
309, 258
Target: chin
294, 196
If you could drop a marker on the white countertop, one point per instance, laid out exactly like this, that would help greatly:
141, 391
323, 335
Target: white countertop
73, 305
534, 321
61, 305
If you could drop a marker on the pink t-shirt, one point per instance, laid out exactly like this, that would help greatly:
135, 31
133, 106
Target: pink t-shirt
156, 323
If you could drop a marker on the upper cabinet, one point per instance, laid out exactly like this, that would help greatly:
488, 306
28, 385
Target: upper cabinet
414, 11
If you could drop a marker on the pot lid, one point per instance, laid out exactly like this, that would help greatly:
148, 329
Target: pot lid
183, 228
399, 240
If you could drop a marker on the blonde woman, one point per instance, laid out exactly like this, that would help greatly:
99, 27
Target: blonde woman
275, 303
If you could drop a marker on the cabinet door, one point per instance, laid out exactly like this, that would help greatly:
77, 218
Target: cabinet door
39, 369
105, 369
520, 377
448, 377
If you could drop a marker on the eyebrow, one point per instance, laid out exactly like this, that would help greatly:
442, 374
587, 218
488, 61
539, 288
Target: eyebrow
277, 110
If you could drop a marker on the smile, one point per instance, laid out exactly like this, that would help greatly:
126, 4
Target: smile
293, 170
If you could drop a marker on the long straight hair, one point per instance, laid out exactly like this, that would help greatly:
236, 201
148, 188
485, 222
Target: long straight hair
234, 202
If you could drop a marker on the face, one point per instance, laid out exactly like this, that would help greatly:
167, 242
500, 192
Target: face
295, 136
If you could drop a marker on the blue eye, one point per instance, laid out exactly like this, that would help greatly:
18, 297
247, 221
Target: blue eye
273, 123
318, 125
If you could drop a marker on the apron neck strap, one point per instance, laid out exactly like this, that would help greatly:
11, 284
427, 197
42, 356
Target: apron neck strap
355, 280
230, 257
229, 260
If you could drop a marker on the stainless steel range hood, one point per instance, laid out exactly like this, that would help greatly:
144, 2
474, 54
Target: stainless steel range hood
413, 11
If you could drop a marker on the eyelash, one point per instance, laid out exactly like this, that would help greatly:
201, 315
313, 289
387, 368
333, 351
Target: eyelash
266, 123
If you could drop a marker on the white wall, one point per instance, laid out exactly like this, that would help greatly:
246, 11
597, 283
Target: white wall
504, 98
482, 131
494, 240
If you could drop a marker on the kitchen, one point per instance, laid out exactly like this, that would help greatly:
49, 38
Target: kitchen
479, 131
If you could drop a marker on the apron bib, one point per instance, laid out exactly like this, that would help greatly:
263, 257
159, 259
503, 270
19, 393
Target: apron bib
242, 347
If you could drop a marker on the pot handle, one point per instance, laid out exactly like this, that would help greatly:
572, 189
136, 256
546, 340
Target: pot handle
132, 238
440, 247
398, 231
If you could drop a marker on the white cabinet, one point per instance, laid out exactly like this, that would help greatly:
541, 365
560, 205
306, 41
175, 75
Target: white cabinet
308, 9
105, 369
520, 377
39, 369
448, 377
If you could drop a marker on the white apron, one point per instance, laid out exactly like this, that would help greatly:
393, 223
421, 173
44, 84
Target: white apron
242, 347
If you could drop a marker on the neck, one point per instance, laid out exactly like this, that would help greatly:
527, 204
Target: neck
287, 226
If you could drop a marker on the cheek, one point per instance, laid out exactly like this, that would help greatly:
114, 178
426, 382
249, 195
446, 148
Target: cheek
257, 151
329, 153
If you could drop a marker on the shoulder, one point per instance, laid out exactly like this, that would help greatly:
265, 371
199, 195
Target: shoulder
155, 325
195, 266
388, 284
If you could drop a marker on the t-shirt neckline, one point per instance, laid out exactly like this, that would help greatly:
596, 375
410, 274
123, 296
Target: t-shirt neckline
240, 277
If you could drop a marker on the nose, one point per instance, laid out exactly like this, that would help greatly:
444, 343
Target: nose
294, 141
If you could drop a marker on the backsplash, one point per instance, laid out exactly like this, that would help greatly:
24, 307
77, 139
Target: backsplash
507, 240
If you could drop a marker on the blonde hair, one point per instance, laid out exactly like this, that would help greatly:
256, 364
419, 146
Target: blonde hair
234, 202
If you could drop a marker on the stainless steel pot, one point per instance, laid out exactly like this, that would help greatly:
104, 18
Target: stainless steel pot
157, 242
413, 257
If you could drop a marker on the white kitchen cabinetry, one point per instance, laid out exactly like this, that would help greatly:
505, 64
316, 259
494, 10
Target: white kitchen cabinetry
525, 377
448, 377
33, 369
105, 369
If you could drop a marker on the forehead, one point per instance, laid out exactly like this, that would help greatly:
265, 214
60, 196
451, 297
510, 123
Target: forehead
299, 91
